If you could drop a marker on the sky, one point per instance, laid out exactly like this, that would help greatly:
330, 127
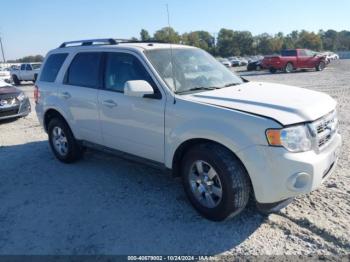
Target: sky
36, 26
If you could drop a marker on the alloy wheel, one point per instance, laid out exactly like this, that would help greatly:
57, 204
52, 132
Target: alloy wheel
205, 184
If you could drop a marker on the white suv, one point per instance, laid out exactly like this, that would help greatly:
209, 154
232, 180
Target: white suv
179, 108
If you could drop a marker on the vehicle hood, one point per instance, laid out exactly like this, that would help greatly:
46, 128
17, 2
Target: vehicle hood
8, 89
285, 104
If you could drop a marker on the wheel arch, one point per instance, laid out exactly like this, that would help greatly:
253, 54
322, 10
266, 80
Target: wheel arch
187, 145
290, 62
53, 113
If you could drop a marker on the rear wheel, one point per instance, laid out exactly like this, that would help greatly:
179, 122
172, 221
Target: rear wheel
62, 142
215, 181
321, 66
15, 80
288, 68
272, 70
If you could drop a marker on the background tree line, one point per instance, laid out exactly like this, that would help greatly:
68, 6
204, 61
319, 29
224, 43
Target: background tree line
28, 59
235, 43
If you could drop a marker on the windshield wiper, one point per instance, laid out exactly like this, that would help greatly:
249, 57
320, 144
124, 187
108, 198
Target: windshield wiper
232, 84
198, 88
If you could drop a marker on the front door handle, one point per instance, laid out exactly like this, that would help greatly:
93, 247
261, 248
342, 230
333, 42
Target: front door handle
66, 95
109, 103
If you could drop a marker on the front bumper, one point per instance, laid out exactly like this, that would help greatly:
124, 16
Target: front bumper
21, 110
277, 174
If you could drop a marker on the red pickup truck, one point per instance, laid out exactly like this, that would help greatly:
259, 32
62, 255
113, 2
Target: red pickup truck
293, 59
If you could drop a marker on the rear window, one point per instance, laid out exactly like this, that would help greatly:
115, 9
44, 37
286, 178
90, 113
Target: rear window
289, 53
84, 70
52, 67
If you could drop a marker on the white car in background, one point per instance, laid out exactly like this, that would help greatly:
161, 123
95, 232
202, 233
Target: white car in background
5, 75
26, 72
331, 56
225, 62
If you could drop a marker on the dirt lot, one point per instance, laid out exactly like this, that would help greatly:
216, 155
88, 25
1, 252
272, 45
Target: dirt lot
106, 205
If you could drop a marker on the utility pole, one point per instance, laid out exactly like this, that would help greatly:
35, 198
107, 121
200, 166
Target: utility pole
2, 51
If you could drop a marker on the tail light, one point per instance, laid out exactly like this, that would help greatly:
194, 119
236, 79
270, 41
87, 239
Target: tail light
36, 94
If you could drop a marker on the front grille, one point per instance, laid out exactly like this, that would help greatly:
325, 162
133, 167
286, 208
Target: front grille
324, 129
9, 112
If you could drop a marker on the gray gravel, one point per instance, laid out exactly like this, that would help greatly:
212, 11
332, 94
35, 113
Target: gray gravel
106, 205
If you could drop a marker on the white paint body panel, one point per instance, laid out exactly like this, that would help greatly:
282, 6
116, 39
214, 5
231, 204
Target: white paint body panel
236, 117
286, 104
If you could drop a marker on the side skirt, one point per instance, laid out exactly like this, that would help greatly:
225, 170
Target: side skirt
126, 156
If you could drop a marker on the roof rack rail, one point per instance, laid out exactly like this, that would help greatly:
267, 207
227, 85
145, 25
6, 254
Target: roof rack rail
142, 41
103, 41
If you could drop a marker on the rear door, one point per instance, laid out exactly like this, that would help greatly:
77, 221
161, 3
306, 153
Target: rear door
78, 95
131, 124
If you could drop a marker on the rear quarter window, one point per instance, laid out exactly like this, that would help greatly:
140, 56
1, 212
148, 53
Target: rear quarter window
52, 67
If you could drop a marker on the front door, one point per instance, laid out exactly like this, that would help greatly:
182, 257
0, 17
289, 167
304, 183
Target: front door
130, 124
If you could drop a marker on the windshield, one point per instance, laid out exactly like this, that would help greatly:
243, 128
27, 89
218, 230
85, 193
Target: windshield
186, 69
36, 66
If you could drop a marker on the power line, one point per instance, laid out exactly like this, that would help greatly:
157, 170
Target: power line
2, 51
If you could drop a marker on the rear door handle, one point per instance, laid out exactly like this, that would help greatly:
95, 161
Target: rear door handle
66, 95
109, 103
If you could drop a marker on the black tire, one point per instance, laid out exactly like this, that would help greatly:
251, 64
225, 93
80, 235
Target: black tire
272, 70
321, 66
258, 68
288, 68
74, 150
16, 80
233, 177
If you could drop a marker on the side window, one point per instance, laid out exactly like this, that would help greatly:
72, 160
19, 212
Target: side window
28, 67
310, 53
52, 67
302, 53
84, 70
23, 67
123, 67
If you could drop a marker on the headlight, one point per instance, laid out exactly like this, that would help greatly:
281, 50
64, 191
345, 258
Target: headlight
21, 96
294, 139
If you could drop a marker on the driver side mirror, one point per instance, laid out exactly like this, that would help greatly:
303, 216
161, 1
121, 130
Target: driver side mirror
138, 88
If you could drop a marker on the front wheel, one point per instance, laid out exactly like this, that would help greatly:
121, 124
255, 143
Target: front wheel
321, 66
62, 142
215, 181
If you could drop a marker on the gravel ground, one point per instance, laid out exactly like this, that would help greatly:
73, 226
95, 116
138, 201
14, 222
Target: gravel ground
106, 205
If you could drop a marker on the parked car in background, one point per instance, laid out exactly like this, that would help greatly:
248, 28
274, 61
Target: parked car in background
235, 62
230, 140
294, 59
26, 72
13, 102
225, 62
5, 75
255, 66
331, 56
243, 62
